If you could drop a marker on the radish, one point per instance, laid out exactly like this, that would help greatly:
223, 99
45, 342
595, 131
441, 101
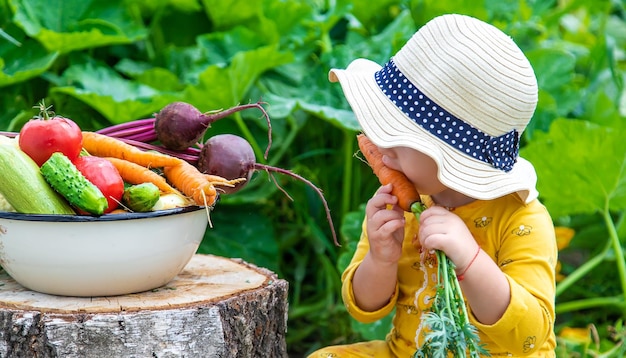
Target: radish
180, 125
231, 157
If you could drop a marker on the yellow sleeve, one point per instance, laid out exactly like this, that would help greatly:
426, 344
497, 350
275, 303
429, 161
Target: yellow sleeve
527, 256
346, 288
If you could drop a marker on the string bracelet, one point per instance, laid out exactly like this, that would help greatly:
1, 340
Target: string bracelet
461, 276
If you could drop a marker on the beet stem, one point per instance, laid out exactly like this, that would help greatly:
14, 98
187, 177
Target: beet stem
139, 123
269, 168
126, 132
146, 137
211, 117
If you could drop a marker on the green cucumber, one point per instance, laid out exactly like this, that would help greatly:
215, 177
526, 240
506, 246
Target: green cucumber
141, 197
67, 180
23, 186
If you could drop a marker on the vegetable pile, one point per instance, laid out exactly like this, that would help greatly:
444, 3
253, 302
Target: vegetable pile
142, 165
448, 328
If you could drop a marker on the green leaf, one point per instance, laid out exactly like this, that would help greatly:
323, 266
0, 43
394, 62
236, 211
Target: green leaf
375, 14
316, 95
428, 9
18, 64
222, 87
290, 19
70, 25
555, 68
221, 47
117, 99
155, 77
581, 167
559, 95
351, 227
229, 13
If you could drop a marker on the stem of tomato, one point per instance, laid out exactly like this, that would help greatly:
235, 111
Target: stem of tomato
43, 110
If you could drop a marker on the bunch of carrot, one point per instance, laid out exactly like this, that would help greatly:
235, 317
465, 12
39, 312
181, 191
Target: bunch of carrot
136, 167
448, 328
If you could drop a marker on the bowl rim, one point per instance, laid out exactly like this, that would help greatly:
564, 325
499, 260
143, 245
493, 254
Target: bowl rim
107, 217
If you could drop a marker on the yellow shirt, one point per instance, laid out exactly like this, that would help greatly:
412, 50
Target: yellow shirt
519, 238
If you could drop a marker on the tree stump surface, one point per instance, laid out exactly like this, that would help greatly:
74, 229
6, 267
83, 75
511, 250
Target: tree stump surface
216, 307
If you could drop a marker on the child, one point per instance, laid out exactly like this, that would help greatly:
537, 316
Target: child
448, 111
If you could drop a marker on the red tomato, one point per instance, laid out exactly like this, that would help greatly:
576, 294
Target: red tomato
105, 176
39, 138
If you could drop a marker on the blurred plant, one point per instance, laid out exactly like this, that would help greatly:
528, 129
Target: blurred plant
563, 237
586, 342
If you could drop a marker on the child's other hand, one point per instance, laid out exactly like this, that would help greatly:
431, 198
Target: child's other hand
385, 226
445, 231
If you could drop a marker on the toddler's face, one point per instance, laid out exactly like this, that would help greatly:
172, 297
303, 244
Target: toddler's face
418, 167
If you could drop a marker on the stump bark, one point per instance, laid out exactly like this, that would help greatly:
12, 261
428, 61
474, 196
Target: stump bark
216, 307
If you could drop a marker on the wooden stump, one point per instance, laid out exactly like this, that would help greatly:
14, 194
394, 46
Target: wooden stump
216, 307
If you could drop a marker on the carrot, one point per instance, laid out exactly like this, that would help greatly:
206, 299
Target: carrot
402, 188
191, 182
104, 146
217, 180
136, 174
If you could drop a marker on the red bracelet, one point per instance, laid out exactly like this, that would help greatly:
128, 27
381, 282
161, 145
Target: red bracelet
461, 276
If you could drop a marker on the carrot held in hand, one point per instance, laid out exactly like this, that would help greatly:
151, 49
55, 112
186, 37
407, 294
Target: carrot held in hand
102, 145
402, 188
448, 329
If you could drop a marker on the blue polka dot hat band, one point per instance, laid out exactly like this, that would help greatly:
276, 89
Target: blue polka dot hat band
500, 152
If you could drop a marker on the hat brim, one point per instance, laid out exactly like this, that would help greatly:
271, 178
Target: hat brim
387, 126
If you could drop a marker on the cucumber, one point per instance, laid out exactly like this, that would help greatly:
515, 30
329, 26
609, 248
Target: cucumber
141, 197
67, 180
24, 187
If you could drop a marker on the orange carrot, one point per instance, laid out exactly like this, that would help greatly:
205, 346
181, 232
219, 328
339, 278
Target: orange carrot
402, 188
136, 174
191, 182
217, 180
102, 145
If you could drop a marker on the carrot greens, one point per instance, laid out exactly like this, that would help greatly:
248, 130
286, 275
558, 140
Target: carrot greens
447, 326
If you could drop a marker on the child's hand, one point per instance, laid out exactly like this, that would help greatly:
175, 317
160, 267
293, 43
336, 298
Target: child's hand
385, 227
445, 231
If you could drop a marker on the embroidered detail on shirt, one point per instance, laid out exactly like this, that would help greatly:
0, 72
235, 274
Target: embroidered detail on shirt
430, 261
529, 343
505, 262
483, 221
522, 230
424, 257
394, 333
409, 309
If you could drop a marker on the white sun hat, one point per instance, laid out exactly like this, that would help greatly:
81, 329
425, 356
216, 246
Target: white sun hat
460, 91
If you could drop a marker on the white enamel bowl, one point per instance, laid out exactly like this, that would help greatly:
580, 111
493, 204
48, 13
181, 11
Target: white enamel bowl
89, 256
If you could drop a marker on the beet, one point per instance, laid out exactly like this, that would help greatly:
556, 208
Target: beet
180, 125
228, 156
232, 157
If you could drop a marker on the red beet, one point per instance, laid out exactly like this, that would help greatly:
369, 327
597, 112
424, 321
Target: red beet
180, 125
228, 156
232, 157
